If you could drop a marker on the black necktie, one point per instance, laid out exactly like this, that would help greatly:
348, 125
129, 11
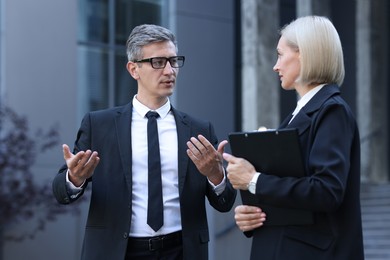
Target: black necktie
155, 204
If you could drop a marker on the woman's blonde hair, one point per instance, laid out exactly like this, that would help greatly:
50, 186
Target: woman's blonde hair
319, 47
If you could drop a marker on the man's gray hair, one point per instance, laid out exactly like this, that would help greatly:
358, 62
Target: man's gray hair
145, 34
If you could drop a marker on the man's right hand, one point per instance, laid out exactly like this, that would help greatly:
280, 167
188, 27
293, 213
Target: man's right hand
80, 165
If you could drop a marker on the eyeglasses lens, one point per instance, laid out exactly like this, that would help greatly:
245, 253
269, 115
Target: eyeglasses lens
161, 62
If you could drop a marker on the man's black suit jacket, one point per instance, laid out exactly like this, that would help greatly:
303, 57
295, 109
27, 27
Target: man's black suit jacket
109, 133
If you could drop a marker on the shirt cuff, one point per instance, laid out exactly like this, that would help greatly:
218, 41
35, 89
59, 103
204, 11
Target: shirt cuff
255, 177
218, 189
73, 191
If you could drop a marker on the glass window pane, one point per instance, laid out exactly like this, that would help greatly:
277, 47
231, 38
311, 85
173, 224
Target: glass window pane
93, 21
93, 79
132, 13
101, 86
125, 85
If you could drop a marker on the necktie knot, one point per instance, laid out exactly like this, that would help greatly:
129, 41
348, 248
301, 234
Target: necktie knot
152, 114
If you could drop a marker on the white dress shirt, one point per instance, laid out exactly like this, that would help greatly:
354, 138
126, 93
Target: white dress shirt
167, 135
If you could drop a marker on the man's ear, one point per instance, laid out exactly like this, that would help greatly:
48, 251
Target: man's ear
132, 68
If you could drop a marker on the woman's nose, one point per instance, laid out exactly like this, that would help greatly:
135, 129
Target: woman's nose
275, 68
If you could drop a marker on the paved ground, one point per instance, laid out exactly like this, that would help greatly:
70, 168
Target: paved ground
375, 200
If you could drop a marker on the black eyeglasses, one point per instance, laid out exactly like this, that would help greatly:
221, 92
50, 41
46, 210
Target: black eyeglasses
161, 62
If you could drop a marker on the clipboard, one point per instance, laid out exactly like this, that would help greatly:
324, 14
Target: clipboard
273, 152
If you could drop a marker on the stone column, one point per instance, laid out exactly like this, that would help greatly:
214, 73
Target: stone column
2, 52
260, 86
313, 7
372, 84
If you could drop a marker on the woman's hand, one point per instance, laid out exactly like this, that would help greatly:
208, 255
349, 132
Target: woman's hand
240, 171
249, 217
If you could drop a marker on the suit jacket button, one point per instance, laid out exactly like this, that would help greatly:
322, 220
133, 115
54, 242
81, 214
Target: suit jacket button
125, 235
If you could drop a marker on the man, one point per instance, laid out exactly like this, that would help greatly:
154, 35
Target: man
111, 151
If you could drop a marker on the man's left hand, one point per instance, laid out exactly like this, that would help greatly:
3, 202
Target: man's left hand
206, 158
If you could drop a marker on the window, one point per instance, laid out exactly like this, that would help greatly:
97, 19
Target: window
104, 26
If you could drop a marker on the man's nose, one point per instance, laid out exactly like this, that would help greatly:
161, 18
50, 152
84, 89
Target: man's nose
168, 68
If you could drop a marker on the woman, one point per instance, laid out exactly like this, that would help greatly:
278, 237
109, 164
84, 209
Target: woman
310, 61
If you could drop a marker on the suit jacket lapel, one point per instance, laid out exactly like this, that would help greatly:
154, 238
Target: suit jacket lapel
123, 129
303, 119
183, 135
285, 121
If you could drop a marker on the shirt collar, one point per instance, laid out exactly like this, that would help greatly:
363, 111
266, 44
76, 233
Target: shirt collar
306, 98
141, 109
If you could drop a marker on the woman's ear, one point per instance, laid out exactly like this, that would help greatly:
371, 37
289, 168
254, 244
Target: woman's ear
132, 68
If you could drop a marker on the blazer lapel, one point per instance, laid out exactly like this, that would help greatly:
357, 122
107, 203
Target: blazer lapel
285, 121
303, 119
123, 129
183, 135
300, 122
